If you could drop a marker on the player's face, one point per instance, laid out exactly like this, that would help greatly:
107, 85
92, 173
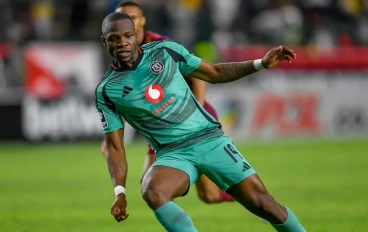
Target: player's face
120, 40
137, 15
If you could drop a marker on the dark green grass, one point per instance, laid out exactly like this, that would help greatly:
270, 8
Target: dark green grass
52, 188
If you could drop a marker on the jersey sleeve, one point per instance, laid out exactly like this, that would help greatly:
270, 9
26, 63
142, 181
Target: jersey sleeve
111, 120
186, 61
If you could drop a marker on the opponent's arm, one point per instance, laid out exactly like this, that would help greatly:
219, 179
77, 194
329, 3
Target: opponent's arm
227, 72
198, 89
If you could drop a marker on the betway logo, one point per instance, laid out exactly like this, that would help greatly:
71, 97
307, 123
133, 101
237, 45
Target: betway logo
163, 106
69, 118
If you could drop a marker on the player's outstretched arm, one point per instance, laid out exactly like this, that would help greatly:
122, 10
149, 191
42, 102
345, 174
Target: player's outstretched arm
118, 168
227, 72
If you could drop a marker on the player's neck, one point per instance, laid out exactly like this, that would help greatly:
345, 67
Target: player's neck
122, 65
129, 64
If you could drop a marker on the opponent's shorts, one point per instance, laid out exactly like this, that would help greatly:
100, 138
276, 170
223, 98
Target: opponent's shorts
217, 158
150, 150
208, 107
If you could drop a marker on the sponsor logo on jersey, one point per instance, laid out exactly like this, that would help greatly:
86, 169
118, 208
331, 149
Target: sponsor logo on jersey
163, 106
103, 118
157, 67
154, 93
126, 90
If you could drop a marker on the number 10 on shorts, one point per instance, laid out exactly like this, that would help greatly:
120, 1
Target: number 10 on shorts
230, 150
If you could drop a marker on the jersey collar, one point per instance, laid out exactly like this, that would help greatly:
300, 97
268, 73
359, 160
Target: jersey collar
115, 66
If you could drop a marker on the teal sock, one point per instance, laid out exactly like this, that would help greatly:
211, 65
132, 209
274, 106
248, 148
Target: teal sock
173, 218
290, 225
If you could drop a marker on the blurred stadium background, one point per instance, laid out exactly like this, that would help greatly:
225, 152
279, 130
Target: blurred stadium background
304, 126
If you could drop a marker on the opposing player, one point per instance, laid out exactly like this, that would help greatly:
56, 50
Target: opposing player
207, 191
188, 141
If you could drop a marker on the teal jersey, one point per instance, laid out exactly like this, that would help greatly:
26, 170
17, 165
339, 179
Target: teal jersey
154, 98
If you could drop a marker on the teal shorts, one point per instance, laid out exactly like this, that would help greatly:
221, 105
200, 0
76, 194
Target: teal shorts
217, 158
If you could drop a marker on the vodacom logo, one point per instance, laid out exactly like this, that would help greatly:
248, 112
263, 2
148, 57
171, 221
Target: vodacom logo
154, 93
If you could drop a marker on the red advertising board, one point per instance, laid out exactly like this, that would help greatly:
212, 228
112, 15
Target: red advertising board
322, 93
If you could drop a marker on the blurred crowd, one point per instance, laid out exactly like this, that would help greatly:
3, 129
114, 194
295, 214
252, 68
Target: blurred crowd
322, 23
203, 26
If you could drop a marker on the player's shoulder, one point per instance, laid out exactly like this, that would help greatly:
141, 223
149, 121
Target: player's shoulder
100, 87
104, 80
167, 43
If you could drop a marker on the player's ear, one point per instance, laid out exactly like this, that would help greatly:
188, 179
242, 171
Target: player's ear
103, 39
143, 22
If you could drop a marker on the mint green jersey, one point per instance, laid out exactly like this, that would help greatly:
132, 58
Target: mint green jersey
154, 98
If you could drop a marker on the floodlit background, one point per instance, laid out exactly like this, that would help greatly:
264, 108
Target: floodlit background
304, 126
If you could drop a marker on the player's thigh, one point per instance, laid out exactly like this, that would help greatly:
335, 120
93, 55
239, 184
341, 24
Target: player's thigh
175, 164
223, 163
168, 182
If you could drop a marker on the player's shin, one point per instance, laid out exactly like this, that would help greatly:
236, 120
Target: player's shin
173, 218
290, 225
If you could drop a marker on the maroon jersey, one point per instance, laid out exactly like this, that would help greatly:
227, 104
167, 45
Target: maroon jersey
150, 36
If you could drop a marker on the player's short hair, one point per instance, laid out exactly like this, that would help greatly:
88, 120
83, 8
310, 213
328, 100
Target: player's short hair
128, 3
115, 16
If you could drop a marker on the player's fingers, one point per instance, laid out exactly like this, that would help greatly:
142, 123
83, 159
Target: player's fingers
116, 212
273, 52
123, 218
287, 58
288, 51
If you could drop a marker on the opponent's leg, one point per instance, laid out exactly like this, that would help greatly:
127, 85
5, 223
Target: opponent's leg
208, 191
150, 159
167, 179
253, 195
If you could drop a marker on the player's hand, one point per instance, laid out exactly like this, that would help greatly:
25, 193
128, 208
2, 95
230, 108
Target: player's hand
276, 55
118, 209
104, 149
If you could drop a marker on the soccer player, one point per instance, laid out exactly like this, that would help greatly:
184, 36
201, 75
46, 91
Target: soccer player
207, 191
187, 140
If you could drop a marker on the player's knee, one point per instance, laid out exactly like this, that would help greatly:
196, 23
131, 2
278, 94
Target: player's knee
208, 197
154, 197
